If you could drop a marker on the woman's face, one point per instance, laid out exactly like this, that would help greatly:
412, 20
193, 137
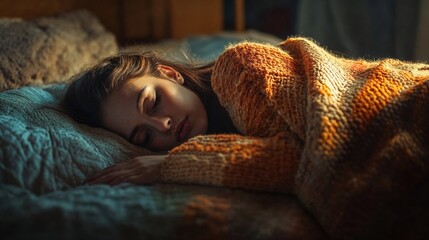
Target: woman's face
153, 112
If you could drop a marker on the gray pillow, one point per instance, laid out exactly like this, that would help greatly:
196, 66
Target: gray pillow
50, 49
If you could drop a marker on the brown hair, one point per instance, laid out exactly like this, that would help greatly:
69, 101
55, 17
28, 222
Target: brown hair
87, 90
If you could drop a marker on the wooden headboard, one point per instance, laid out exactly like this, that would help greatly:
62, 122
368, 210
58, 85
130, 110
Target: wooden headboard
136, 20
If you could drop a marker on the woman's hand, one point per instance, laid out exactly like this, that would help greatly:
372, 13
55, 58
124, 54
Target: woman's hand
139, 170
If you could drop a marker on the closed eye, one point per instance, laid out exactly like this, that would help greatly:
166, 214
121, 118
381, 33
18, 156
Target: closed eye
140, 100
156, 102
140, 109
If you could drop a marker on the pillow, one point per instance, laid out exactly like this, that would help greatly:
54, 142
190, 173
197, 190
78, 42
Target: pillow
42, 149
51, 49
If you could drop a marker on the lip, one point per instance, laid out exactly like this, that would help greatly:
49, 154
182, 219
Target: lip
182, 130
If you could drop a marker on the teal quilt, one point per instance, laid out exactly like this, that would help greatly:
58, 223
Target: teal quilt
45, 156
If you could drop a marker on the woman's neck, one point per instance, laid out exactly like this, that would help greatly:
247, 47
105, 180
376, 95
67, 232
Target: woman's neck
219, 120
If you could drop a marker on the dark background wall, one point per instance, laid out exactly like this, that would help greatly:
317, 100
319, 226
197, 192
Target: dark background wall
353, 28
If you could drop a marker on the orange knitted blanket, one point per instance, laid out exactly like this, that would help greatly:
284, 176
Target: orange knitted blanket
350, 138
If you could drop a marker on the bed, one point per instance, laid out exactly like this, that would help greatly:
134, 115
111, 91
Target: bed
45, 155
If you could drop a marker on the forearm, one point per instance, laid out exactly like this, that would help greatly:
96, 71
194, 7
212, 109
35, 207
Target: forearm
264, 164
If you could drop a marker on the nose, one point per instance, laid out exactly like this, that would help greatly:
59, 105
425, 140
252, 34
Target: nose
161, 124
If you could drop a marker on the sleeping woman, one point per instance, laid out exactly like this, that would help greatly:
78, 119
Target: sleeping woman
154, 103
341, 134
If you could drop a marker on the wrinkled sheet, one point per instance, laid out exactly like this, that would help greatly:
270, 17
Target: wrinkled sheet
45, 156
153, 212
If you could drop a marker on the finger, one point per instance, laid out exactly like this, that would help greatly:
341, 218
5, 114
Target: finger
106, 178
120, 179
101, 180
139, 179
102, 172
95, 176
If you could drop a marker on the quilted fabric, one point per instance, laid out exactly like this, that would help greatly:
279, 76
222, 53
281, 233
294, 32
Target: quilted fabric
152, 212
43, 150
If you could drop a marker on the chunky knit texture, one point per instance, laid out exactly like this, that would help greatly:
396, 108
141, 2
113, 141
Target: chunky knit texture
349, 137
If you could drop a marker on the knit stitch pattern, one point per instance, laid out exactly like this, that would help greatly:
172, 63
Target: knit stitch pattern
349, 137
235, 161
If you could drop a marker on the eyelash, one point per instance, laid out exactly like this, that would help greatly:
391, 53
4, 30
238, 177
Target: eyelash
155, 104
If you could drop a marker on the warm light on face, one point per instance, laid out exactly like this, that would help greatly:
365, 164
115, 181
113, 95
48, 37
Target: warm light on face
155, 113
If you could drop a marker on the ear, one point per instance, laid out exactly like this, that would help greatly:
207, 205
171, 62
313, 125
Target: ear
171, 73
